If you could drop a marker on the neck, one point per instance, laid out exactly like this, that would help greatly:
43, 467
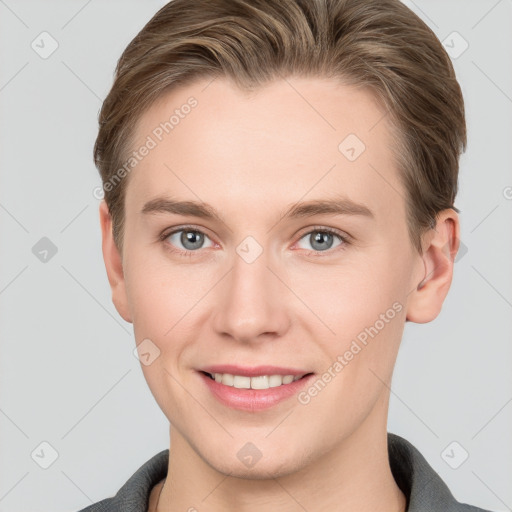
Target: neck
354, 475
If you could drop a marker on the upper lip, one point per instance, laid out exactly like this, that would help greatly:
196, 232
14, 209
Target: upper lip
253, 371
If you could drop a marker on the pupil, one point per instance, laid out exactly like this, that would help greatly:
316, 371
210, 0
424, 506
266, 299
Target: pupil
191, 237
320, 237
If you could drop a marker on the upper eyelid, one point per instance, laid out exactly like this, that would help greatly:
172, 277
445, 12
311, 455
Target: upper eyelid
334, 231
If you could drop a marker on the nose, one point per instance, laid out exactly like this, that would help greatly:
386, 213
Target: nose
251, 302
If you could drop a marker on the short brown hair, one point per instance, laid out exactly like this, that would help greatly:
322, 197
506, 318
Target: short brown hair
381, 45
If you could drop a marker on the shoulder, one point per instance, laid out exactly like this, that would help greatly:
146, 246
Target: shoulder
423, 487
133, 496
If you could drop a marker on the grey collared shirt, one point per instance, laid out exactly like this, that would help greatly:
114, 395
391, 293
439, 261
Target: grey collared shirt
423, 488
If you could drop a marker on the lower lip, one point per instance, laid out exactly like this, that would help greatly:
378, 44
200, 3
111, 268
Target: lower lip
253, 399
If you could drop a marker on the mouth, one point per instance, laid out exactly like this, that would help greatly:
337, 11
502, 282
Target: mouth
254, 382
257, 391
253, 388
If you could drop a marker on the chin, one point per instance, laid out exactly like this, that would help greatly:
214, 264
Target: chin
239, 464
260, 471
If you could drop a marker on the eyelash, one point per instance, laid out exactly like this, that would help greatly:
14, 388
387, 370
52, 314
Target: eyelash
345, 239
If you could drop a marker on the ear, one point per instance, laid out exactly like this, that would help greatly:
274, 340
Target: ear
113, 264
440, 248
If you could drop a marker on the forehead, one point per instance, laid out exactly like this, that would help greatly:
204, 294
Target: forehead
293, 139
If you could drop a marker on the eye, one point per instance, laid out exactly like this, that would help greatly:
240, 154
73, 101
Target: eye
321, 239
186, 239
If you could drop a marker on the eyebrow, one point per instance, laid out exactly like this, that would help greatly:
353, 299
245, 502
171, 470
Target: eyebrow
337, 206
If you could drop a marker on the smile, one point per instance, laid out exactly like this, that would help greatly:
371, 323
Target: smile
256, 392
257, 382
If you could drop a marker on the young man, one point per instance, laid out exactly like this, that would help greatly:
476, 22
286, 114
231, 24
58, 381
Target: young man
279, 182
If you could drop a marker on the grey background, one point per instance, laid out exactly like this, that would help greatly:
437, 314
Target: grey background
68, 375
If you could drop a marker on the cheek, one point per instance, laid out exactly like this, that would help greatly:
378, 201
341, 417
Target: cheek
158, 292
160, 309
364, 307
167, 305
360, 366
348, 298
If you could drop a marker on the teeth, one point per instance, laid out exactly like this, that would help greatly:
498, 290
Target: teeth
259, 382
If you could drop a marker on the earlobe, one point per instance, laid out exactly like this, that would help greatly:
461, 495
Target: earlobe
113, 264
442, 244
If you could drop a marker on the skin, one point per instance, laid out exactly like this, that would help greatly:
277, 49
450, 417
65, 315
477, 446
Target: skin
251, 156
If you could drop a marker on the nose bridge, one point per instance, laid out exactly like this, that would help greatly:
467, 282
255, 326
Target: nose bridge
252, 297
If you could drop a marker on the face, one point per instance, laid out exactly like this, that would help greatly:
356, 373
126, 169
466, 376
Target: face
299, 259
